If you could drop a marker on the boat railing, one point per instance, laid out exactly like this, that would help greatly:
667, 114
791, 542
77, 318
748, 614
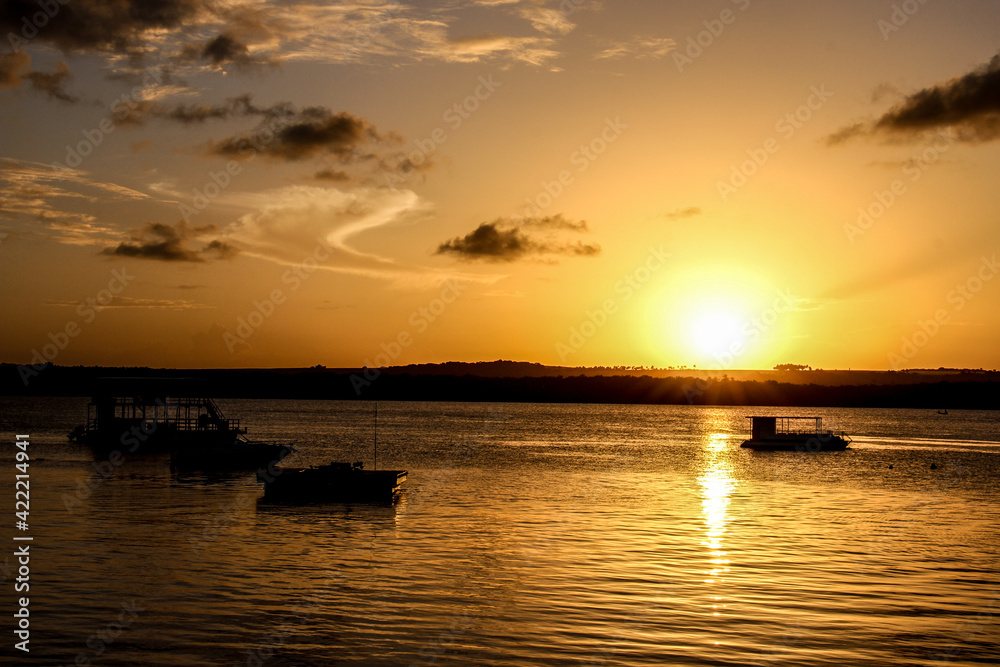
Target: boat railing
178, 423
178, 413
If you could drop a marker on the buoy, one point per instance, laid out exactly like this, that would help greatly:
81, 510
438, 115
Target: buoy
933, 466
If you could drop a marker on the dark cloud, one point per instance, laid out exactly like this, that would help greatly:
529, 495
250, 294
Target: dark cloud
332, 175
221, 249
241, 106
308, 133
168, 243
15, 69
506, 240
225, 48
121, 26
51, 83
137, 28
969, 105
680, 213
284, 132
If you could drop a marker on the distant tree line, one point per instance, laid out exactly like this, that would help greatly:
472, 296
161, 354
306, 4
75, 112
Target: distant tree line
318, 383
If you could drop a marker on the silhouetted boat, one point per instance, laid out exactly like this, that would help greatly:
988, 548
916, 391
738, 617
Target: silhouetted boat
784, 433
149, 416
336, 482
339, 481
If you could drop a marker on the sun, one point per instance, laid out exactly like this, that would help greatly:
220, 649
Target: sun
715, 331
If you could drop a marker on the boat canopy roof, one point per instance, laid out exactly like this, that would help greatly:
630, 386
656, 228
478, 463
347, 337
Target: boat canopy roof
781, 417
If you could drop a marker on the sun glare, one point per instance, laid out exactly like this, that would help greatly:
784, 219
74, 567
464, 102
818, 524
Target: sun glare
713, 331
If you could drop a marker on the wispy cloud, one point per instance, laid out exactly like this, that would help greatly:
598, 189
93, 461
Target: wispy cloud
131, 302
298, 223
642, 48
681, 213
38, 193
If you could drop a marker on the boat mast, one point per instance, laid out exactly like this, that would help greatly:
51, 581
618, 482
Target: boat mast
376, 436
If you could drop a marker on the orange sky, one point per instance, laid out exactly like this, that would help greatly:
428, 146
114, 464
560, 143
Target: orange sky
732, 185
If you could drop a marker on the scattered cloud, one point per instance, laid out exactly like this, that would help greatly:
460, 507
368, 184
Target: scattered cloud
507, 240
641, 48
52, 83
171, 243
332, 175
310, 132
124, 26
241, 106
968, 105
283, 133
547, 20
681, 213
196, 35
229, 48
15, 69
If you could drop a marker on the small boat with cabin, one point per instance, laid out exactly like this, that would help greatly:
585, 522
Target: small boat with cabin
336, 482
170, 415
796, 434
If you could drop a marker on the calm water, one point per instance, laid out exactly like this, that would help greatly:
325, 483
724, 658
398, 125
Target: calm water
526, 535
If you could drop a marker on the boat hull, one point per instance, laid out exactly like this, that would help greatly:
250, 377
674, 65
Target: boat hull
334, 483
798, 444
240, 456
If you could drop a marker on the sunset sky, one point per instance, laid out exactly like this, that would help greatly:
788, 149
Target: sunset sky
729, 184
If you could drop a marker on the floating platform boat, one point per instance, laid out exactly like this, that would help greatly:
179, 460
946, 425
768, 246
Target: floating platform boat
336, 482
795, 434
170, 415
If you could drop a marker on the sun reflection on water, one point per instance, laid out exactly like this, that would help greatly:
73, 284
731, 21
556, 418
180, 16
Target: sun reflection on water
717, 485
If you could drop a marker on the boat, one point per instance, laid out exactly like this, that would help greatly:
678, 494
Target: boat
336, 482
170, 415
797, 434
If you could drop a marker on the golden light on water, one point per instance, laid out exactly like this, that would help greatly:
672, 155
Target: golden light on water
717, 485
